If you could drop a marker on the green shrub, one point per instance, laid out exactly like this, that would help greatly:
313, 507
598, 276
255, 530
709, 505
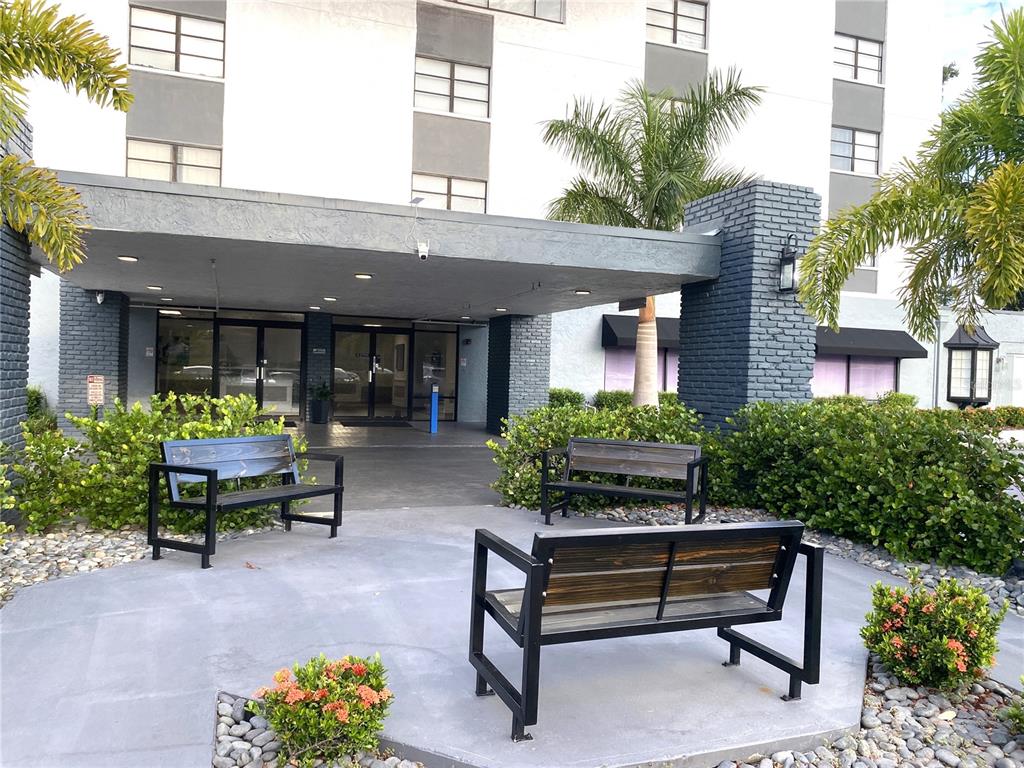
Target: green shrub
326, 710
558, 396
898, 400
668, 398
50, 472
924, 484
1000, 417
940, 639
528, 436
1013, 715
6, 500
39, 414
612, 398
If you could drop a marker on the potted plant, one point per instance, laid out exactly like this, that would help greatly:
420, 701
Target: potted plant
319, 403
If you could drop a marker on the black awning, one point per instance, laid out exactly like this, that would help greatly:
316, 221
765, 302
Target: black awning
977, 340
869, 342
620, 331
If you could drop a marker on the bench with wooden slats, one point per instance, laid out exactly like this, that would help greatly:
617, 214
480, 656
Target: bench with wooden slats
625, 459
210, 462
621, 582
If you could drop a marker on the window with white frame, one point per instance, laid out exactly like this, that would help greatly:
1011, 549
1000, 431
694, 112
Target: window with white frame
854, 150
176, 42
857, 58
970, 376
549, 10
445, 86
680, 22
166, 161
450, 193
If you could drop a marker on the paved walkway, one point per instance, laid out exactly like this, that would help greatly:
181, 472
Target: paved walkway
120, 667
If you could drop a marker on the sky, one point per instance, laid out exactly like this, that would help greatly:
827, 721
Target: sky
965, 26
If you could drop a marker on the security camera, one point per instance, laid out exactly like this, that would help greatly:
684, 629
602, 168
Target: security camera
423, 250
100, 296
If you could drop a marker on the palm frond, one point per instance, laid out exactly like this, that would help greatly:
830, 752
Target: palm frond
587, 203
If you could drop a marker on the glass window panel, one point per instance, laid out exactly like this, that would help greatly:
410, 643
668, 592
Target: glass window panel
841, 149
432, 67
522, 7
145, 58
696, 10
430, 84
659, 19
829, 376
149, 150
434, 362
471, 91
869, 62
468, 204
213, 30
658, 34
430, 101
872, 377
660, 5
982, 385
960, 373
193, 174
469, 188
197, 66
474, 108
843, 57
619, 366
199, 156
184, 356
427, 183
869, 47
472, 74
432, 200
146, 169
687, 38
693, 26
549, 9
841, 163
845, 70
846, 42
842, 134
478, 3
865, 166
143, 17
147, 38
212, 49
867, 138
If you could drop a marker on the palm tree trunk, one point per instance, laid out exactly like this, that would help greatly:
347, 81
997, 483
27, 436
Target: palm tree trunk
645, 374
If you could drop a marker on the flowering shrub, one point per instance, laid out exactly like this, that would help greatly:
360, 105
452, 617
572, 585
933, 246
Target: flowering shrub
326, 710
941, 639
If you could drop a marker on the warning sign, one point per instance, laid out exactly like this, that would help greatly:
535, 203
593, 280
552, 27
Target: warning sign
94, 389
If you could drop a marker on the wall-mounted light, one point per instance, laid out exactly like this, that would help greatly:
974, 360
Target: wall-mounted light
787, 264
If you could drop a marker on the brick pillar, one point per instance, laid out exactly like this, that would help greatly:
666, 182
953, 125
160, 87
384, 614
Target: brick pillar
518, 366
93, 340
741, 339
15, 271
319, 340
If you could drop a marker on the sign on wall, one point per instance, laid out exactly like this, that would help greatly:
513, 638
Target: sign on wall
94, 384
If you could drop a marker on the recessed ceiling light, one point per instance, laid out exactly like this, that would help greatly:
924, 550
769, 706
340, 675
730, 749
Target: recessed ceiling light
166, 298
465, 317
364, 276
582, 292
314, 307
128, 259
154, 287
170, 312
371, 325
501, 309
330, 298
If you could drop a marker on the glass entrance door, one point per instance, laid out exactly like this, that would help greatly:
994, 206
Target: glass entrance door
262, 361
371, 375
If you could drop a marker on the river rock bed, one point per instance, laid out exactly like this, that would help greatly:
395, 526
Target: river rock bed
27, 559
246, 739
998, 589
904, 727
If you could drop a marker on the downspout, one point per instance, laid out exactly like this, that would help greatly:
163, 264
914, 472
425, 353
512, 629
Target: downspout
936, 366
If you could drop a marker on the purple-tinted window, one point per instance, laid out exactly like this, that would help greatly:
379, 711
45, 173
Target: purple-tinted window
620, 364
869, 377
829, 376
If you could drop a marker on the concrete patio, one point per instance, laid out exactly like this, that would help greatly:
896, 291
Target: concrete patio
120, 667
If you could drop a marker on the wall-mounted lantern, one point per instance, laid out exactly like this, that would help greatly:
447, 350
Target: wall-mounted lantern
969, 371
787, 265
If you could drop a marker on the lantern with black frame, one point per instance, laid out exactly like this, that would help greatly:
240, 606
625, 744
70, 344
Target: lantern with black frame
969, 368
787, 265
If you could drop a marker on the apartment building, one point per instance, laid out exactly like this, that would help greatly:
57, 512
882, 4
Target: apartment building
416, 119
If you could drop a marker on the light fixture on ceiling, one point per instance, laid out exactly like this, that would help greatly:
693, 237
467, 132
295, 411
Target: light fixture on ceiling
128, 259
582, 291
371, 325
501, 309
363, 276
465, 317
330, 298
172, 312
166, 298
314, 307
154, 287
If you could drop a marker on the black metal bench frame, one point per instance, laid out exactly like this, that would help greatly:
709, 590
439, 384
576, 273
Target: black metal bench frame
528, 632
695, 476
213, 502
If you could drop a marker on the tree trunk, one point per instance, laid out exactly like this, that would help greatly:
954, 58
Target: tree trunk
645, 375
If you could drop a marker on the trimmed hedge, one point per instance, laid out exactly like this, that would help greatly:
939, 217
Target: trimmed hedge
564, 396
623, 398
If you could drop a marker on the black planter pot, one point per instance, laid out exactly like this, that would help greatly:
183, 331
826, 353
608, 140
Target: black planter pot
319, 410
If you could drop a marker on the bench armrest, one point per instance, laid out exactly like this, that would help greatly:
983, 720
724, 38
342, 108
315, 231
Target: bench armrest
503, 549
545, 461
210, 473
337, 459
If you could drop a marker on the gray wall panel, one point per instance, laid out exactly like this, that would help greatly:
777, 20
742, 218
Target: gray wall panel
450, 146
845, 189
454, 34
863, 280
675, 69
856, 105
861, 18
141, 354
211, 9
176, 109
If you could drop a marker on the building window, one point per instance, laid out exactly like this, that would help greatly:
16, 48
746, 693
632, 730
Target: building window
449, 87
173, 162
858, 59
549, 10
681, 22
970, 376
854, 150
176, 42
868, 377
449, 193
620, 365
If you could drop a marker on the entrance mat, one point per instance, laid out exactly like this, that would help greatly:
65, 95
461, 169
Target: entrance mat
374, 423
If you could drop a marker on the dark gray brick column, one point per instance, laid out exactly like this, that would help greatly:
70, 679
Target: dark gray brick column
518, 366
319, 340
93, 340
741, 339
15, 271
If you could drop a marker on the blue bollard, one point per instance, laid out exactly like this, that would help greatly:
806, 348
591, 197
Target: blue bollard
433, 408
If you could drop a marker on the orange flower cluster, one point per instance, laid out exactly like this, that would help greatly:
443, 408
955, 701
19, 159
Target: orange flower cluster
961, 655
340, 710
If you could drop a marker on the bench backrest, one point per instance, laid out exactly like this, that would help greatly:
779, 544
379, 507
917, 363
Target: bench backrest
232, 457
621, 457
630, 565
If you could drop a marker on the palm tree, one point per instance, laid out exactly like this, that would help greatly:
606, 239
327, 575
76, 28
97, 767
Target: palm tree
36, 40
641, 161
957, 208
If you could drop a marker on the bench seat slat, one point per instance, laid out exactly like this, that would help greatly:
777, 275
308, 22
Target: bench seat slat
596, 559
625, 491
274, 494
645, 460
